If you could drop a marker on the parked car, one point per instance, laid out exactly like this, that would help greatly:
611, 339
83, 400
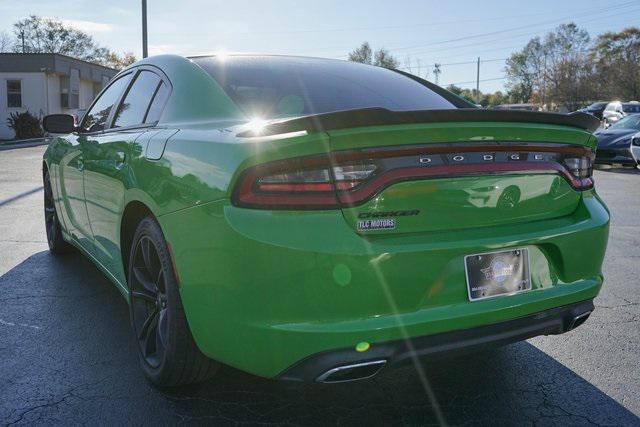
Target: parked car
616, 110
524, 107
596, 109
614, 143
310, 219
635, 148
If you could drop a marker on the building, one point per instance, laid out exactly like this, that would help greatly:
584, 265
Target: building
47, 83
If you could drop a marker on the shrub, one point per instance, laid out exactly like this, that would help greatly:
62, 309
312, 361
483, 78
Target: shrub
25, 125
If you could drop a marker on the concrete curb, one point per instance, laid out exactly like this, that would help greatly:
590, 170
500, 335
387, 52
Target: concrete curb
25, 143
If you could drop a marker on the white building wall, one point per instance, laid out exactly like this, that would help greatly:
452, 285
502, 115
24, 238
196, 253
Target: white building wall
33, 85
86, 94
40, 96
53, 93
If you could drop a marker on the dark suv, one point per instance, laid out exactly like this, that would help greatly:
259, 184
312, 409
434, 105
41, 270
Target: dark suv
595, 109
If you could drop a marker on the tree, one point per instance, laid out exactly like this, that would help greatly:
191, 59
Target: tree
525, 71
46, 35
617, 63
6, 43
568, 68
116, 61
556, 69
363, 54
383, 58
380, 58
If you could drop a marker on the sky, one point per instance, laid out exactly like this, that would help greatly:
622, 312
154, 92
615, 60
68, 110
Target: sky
419, 33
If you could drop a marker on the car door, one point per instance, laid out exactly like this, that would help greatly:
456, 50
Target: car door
107, 171
72, 165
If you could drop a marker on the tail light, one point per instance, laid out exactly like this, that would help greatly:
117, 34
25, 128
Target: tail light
301, 183
580, 167
352, 177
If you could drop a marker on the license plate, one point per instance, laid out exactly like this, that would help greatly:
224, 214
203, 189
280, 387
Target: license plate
497, 273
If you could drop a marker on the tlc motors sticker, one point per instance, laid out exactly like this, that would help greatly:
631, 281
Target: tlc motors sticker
380, 220
376, 224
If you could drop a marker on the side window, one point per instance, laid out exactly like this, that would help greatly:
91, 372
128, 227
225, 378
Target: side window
157, 104
96, 119
134, 107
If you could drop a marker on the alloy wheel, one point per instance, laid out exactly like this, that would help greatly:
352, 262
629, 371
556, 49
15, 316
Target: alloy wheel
149, 301
50, 219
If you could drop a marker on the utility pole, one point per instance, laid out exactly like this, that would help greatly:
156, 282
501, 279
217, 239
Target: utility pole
436, 71
145, 53
22, 37
478, 83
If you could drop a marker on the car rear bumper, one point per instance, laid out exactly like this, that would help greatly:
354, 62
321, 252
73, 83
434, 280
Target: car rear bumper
264, 290
621, 156
348, 364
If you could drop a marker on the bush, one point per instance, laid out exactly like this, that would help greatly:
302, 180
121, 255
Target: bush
25, 125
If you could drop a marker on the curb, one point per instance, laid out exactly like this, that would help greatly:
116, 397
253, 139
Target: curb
25, 143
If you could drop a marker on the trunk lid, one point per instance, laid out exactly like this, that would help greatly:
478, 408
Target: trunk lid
451, 185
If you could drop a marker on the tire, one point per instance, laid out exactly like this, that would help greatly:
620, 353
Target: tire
166, 349
57, 244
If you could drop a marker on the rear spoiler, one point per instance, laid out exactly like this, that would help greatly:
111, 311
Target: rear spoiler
380, 116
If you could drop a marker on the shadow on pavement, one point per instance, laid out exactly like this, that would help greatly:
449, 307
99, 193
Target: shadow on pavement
20, 196
68, 357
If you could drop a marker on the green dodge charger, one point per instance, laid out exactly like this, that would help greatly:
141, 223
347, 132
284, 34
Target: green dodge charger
320, 220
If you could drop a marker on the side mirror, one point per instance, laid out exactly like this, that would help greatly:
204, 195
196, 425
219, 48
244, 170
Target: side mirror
59, 123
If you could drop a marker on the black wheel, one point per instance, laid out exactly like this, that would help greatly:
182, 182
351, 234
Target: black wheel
168, 354
57, 244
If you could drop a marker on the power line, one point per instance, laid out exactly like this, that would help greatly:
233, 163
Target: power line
475, 81
526, 34
452, 63
601, 15
474, 36
389, 27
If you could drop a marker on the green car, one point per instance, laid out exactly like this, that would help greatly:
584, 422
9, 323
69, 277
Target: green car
320, 220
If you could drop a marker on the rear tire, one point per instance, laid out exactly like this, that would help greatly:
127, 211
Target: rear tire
167, 351
57, 244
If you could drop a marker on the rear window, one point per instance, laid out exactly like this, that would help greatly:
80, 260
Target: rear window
274, 87
597, 106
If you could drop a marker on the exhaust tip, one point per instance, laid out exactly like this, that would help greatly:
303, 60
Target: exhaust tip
579, 320
354, 372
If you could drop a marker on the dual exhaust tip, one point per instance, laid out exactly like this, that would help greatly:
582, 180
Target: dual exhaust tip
364, 370
579, 320
353, 372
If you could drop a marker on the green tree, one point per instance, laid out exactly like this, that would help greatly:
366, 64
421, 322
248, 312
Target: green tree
46, 35
6, 42
362, 54
525, 71
380, 58
556, 70
617, 63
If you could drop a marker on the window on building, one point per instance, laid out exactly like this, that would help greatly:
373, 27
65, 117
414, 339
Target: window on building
68, 97
14, 93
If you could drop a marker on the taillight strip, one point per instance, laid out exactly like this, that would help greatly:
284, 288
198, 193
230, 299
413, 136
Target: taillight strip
294, 195
384, 180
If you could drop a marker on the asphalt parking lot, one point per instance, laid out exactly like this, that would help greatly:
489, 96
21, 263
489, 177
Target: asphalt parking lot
66, 355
